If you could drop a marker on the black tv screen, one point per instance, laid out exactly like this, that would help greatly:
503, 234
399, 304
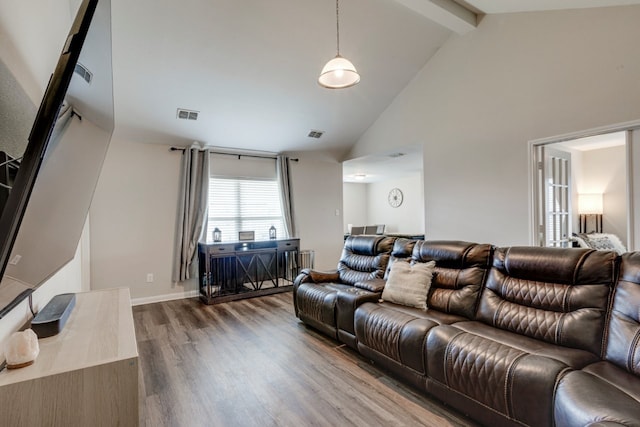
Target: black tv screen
47, 189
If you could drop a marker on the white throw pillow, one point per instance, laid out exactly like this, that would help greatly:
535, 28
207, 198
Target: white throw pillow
606, 242
408, 284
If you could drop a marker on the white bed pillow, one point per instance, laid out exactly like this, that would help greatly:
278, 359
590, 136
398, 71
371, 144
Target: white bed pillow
408, 284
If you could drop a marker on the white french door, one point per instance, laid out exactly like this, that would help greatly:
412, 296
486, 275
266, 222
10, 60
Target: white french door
548, 170
553, 197
633, 189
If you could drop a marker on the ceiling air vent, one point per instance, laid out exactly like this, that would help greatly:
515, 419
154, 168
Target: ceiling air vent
83, 72
315, 134
187, 114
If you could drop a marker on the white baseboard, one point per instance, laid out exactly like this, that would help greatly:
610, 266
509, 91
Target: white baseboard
165, 297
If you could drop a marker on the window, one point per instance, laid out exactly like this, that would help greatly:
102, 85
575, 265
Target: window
244, 204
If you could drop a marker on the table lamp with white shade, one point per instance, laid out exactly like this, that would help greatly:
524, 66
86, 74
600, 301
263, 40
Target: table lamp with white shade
590, 204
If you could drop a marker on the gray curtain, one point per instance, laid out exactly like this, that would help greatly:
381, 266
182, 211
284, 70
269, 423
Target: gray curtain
286, 196
192, 210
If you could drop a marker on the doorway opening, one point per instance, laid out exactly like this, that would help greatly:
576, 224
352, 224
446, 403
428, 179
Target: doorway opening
385, 190
583, 184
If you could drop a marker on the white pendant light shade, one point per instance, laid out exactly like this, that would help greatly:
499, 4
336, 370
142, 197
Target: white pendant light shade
338, 73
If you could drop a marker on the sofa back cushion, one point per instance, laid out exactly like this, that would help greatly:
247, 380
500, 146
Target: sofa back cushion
364, 258
623, 331
460, 271
555, 295
402, 250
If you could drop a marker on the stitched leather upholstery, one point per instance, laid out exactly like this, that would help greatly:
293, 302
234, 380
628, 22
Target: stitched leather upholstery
609, 390
364, 258
550, 294
556, 297
572, 357
491, 375
327, 301
460, 271
402, 249
543, 337
394, 335
623, 339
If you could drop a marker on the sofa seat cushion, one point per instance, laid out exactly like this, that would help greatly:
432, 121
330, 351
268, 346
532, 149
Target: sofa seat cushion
606, 371
491, 374
336, 286
396, 331
573, 358
439, 317
601, 393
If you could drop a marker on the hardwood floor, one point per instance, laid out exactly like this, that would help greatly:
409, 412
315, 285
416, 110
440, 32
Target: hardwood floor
253, 363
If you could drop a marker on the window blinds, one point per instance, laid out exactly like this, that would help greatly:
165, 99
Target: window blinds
244, 204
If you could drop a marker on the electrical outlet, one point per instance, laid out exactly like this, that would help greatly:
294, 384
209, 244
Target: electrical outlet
149, 277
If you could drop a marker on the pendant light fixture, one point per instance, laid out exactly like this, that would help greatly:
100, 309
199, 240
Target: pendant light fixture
339, 72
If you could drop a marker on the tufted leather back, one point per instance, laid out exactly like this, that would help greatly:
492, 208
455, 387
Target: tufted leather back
461, 268
556, 295
402, 249
623, 331
364, 258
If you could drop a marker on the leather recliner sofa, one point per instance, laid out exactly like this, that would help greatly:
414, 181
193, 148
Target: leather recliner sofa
511, 336
320, 297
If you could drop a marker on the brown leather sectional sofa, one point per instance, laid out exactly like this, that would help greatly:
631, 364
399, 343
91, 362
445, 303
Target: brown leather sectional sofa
512, 336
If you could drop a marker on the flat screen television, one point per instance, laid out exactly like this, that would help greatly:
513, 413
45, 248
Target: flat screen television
48, 190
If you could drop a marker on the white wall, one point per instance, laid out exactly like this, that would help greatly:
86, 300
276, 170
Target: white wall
133, 217
355, 205
133, 220
32, 35
317, 190
367, 204
484, 95
69, 278
408, 218
604, 171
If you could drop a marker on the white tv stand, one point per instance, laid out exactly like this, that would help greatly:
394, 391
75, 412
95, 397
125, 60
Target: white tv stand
87, 375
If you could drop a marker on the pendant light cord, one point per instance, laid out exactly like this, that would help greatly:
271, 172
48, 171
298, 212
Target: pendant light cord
337, 28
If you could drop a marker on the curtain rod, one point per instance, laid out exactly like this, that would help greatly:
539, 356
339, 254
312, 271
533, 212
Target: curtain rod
232, 154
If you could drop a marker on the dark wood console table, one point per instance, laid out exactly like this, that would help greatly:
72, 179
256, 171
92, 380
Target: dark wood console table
236, 270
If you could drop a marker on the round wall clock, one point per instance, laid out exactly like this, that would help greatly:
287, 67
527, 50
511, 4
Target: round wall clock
395, 197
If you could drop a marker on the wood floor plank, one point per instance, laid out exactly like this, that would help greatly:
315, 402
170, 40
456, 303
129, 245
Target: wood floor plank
253, 363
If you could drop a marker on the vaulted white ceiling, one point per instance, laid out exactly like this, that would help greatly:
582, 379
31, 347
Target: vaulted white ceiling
508, 6
250, 67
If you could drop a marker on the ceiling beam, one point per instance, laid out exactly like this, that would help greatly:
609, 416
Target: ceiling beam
447, 13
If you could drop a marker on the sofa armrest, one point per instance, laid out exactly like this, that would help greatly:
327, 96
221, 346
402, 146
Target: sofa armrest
324, 276
373, 285
346, 304
312, 276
